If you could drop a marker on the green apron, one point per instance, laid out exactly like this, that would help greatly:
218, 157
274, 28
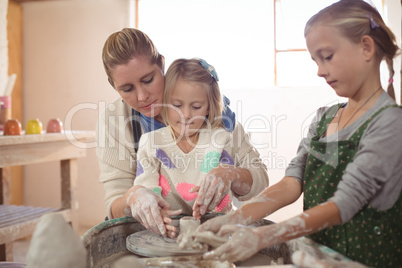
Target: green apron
371, 237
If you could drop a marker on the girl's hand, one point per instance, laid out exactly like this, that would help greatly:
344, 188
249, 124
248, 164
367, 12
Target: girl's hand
213, 188
171, 230
215, 224
247, 241
244, 243
146, 208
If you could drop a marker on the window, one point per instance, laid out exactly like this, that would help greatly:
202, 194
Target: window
292, 63
237, 37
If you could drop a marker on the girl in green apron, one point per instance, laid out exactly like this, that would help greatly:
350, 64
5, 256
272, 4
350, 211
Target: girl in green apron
349, 167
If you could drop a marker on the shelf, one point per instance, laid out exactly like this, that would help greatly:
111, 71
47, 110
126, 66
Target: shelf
40, 148
17, 222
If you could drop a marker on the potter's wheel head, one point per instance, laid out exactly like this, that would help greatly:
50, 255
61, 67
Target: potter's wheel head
186, 261
149, 244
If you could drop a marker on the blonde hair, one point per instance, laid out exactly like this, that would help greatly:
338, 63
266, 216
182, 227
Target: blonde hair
354, 19
124, 45
192, 71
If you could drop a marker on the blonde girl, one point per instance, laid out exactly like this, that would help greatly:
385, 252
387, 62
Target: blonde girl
189, 162
349, 166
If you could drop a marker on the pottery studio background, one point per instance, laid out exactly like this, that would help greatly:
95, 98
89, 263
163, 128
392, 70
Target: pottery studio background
63, 76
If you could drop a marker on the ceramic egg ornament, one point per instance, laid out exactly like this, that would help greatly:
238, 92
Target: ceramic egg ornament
34, 126
12, 127
54, 125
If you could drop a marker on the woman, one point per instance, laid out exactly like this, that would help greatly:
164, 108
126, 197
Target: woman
135, 70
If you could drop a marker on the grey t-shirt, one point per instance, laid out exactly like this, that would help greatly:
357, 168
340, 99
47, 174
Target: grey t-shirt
375, 175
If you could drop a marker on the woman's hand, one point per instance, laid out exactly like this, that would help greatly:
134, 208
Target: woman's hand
146, 208
213, 188
244, 243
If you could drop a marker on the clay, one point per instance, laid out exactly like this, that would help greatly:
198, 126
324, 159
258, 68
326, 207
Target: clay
55, 244
149, 244
128, 262
209, 238
201, 240
186, 261
260, 259
303, 259
187, 227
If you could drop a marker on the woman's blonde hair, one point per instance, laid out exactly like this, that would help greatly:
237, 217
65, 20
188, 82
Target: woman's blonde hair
124, 45
191, 70
354, 19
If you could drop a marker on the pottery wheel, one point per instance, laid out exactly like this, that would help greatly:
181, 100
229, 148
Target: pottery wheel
149, 244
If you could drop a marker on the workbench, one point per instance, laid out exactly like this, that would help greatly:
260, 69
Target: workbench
17, 222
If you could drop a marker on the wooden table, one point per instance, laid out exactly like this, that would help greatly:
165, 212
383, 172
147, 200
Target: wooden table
17, 222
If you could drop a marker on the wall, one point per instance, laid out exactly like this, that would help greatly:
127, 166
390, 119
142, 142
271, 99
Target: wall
394, 12
62, 69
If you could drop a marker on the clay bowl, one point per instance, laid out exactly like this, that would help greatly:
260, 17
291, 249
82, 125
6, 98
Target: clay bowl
54, 126
34, 126
12, 127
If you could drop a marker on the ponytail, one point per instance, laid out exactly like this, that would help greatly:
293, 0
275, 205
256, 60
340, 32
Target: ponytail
390, 88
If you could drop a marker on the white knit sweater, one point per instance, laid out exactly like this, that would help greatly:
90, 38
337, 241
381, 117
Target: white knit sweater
164, 168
